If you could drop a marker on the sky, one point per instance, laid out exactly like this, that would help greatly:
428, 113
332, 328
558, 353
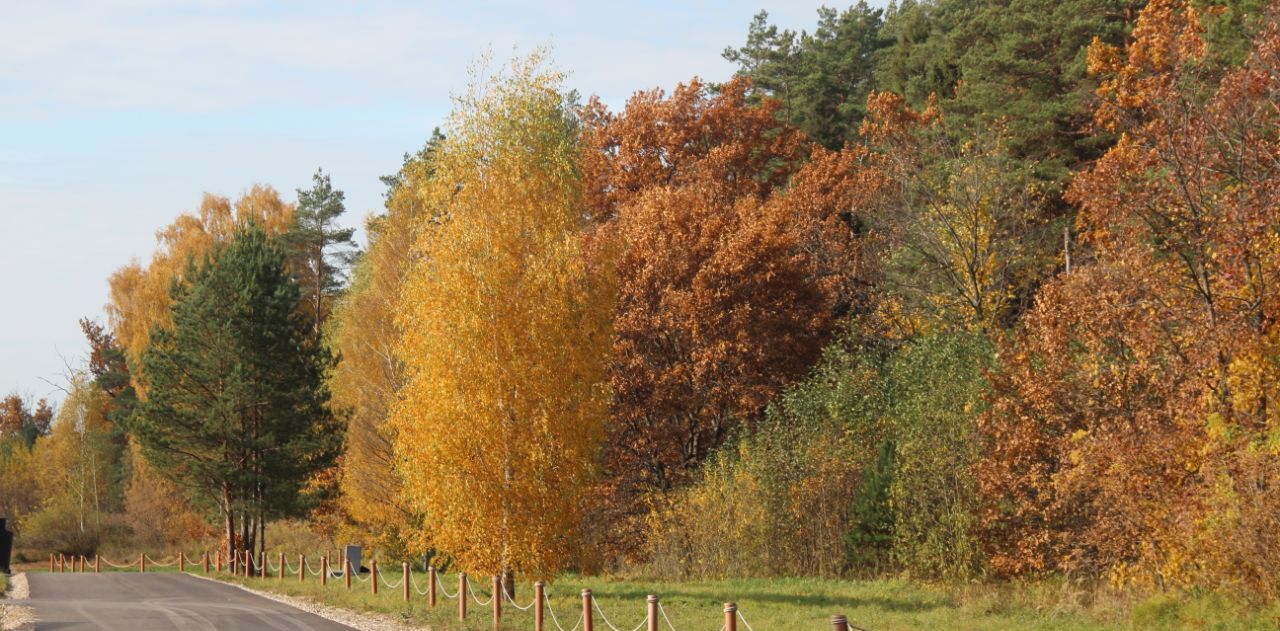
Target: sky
118, 115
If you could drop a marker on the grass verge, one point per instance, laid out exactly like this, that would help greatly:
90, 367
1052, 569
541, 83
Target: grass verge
795, 604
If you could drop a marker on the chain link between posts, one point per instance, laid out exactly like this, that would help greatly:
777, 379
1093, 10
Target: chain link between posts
527, 607
556, 621
476, 598
606, 618
118, 567
156, 563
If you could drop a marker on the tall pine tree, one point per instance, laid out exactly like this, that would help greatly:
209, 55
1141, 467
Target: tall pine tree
237, 407
321, 252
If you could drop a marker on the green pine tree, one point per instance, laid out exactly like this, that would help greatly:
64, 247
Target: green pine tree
236, 406
321, 252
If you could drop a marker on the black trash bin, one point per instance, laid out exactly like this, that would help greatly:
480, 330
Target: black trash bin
6, 547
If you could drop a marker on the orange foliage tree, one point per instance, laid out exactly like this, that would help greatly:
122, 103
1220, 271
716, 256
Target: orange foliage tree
730, 281
1134, 426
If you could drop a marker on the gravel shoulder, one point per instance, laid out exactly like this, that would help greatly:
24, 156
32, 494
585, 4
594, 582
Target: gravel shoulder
14, 616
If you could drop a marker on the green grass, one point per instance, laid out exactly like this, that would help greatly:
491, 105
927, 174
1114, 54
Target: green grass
4, 585
795, 604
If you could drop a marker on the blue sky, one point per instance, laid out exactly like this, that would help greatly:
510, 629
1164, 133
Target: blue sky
116, 116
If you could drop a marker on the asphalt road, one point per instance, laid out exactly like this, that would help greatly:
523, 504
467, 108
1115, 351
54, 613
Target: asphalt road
142, 602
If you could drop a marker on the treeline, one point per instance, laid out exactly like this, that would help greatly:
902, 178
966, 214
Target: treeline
961, 289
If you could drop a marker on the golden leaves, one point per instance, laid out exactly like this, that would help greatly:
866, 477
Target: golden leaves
504, 335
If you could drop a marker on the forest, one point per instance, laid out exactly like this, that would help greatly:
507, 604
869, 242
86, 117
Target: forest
956, 290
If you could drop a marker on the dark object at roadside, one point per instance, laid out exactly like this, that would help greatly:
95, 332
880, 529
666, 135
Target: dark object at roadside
6, 547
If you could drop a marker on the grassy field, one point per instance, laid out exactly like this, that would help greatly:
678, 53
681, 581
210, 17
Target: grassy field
4, 585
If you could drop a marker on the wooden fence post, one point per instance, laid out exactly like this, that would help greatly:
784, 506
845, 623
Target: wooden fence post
839, 623
586, 611
652, 614
142, 562
96, 558
373, 575
302, 568
497, 601
204, 562
539, 593
281, 577
324, 570
346, 572
182, 561
730, 617
431, 586
462, 595
405, 579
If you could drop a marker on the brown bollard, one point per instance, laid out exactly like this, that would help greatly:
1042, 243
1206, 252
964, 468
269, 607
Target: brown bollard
324, 570
82, 560
346, 572
233, 563
142, 562
839, 623
462, 595
373, 576
204, 562
652, 615
586, 611
730, 617
96, 559
52, 562
302, 568
431, 586
281, 566
539, 594
405, 580
62, 563
182, 561
497, 601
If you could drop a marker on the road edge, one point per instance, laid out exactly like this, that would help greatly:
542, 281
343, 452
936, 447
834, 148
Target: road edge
16, 617
355, 620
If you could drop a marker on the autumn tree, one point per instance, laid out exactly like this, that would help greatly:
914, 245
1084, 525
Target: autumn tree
961, 220
75, 475
688, 136
19, 420
729, 286
369, 375
320, 251
1131, 428
506, 331
236, 408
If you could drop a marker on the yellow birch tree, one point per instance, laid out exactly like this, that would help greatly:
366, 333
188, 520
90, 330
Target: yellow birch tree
506, 335
369, 376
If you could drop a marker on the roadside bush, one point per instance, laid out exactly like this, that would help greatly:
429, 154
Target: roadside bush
863, 467
933, 392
